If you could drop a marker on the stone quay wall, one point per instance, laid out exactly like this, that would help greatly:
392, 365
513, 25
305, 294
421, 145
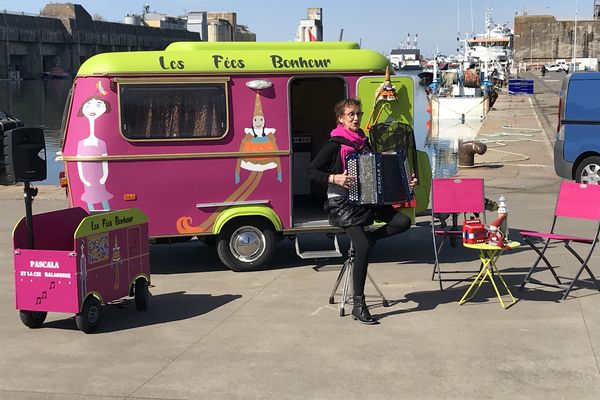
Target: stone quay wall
542, 39
35, 44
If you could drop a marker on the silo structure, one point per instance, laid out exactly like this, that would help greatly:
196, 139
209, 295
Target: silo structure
311, 29
133, 20
197, 21
219, 30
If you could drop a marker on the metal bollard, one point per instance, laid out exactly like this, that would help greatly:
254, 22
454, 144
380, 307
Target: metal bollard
467, 151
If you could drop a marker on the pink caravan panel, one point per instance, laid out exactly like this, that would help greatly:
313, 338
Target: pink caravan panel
578, 200
169, 189
51, 231
454, 195
46, 280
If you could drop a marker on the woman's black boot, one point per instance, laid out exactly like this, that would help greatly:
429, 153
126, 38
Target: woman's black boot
360, 311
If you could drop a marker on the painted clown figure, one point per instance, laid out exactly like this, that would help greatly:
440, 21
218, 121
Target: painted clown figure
258, 139
386, 91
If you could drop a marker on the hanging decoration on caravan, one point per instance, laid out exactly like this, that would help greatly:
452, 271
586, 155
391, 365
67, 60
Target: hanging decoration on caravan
386, 91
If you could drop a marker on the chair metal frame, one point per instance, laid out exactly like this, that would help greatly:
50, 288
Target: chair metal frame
459, 204
570, 192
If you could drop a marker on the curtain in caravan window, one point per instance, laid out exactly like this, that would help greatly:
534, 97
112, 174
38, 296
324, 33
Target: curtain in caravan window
173, 111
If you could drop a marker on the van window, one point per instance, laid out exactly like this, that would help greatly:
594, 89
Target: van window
173, 111
583, 103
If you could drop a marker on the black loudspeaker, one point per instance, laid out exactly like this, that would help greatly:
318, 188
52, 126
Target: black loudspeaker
7, 122
25, 154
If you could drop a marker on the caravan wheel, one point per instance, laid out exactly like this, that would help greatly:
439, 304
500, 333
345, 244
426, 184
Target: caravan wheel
246, 244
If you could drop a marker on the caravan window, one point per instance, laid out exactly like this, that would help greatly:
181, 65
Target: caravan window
173, 111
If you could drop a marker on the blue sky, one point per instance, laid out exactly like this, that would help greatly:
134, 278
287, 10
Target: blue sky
378, 24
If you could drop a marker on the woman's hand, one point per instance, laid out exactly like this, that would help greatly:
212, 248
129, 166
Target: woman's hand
413, 181
344, 180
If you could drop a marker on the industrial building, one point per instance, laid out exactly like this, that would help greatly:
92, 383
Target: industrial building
311, 28
63, 36
212, 26
55, 43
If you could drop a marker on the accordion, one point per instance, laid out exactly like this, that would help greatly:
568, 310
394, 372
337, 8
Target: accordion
381, 178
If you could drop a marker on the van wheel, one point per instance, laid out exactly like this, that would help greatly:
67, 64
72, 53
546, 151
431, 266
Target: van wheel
88, 320
32, 319
588, 171
246, 244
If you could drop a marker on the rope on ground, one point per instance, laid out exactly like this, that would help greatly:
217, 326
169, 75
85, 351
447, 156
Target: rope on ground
521, 137
521, 129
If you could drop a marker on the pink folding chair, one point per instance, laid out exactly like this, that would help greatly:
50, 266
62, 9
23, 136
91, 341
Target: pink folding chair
575, 200
453, 196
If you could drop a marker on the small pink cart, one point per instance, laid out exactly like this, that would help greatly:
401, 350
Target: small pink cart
79, 262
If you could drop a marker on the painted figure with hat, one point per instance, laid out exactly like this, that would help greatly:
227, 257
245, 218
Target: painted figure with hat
94, 174
258, 139
386, 91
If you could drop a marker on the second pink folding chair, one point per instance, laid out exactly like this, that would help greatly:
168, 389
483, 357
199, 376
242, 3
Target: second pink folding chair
453, 196
575, 200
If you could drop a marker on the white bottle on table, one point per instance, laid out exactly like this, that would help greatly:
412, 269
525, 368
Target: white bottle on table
503, 210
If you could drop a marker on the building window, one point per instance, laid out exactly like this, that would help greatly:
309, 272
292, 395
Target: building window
173, 111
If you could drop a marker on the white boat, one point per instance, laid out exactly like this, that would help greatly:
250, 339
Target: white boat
494, 46
458, 96
407, 57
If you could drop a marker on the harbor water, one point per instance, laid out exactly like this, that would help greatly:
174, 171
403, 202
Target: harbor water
41, 103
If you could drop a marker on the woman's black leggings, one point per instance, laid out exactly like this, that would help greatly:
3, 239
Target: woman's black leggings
361, 240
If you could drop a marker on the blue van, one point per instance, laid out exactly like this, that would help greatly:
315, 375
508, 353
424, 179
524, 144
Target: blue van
577, 146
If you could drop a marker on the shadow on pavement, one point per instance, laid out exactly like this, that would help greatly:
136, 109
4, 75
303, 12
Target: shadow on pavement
162, 308
453, 292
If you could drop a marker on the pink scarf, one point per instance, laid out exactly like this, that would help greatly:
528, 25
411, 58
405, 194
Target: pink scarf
357, 138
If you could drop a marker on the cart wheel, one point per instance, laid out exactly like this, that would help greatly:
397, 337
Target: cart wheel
32, 319
141, 294
331, 300
342, 312
88, 320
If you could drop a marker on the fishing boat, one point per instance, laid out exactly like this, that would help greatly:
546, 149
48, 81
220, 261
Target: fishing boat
408, 56
459, 94
54, 73
492, 49
495, 45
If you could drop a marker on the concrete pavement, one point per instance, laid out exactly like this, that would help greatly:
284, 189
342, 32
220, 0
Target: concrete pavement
210, 333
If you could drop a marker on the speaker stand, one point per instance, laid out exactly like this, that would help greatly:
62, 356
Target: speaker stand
30, 193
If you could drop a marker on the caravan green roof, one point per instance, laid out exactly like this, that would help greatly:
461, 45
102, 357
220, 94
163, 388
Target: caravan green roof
239, 58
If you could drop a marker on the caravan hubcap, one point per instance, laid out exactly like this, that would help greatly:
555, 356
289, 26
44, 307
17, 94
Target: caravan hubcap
247, 243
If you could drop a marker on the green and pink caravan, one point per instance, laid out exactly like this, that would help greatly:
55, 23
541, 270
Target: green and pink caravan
211, 140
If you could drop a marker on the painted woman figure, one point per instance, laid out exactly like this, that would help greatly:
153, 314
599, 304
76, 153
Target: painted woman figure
93, 174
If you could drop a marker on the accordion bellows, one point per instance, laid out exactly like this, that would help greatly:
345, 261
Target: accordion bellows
381, 178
